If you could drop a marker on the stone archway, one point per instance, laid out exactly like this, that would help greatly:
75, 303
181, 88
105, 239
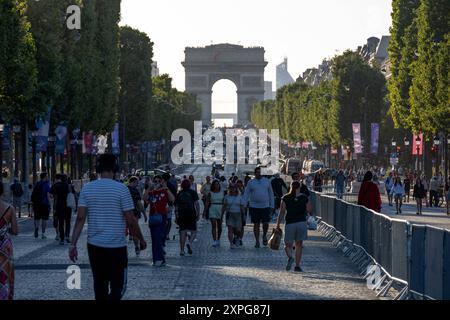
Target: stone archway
243, 66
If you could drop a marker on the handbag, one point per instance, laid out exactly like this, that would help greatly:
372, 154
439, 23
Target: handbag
71, 203
312, 223
155, 219
275, 239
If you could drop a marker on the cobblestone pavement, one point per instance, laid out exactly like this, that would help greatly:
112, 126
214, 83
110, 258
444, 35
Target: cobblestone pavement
211, 273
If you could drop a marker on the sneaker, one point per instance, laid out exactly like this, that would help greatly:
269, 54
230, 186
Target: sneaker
44, 236
158, 263
57, 238
233, 246
137, 251
257, 245
182, 253
36, 233
298, 269
61, 243
265, 241
189, 249
68, 240
289, 263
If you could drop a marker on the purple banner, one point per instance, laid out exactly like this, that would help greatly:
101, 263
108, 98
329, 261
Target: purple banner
374, 138
115, 140
357, 137
6, 141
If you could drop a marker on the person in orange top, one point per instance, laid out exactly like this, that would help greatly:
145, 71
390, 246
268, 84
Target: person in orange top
369, 195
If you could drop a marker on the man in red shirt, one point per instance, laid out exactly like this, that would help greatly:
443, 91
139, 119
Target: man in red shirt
158, 199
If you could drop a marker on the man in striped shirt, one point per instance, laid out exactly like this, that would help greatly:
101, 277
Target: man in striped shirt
108, 207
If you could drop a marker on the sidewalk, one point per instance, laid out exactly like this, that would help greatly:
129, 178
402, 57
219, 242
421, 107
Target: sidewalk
211, 273
430, 215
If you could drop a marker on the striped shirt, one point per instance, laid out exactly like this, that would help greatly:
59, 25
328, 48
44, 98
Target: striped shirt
106, 202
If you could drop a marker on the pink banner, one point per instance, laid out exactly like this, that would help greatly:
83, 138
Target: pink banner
414, 146
357, 137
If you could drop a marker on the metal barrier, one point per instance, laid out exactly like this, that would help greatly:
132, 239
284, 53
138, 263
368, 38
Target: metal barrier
414, 259
446, 263
417, 259
400, 231
434, 255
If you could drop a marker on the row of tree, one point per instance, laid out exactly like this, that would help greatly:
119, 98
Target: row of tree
90, 78
419, 53
324, 114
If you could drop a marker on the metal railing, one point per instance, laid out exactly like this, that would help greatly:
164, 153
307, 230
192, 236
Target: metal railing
413, 259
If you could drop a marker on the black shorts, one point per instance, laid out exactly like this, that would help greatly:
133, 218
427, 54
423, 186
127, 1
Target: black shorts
260, 215
41, 211
187, 222
277, 202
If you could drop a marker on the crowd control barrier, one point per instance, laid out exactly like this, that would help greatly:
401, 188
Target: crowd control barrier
414, 259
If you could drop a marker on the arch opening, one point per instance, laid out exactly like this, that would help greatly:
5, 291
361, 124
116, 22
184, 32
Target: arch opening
224, 103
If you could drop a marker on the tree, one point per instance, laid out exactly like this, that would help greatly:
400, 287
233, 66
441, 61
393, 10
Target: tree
136, 84
429, 98
402, 54
358, 91
18, 72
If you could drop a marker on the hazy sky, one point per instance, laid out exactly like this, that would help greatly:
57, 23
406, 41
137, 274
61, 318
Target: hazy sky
305, 31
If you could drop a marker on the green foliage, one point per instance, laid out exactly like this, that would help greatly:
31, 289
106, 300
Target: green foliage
324, 114
171, 109
17, 62
419, 53
136, 84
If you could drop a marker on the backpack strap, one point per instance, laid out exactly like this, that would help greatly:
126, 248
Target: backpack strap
5, 212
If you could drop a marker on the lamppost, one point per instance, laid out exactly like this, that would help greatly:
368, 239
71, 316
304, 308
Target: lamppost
16, 131
418, 143
33, 155
2, 127
394, 149
436, 143
446, 162
406, 142
51, 147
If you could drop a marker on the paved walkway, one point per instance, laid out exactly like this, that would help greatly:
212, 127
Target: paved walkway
211, 273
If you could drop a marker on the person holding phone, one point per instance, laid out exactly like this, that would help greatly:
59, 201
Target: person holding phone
158, 200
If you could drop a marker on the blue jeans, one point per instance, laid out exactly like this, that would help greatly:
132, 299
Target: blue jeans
339, 191
158, 234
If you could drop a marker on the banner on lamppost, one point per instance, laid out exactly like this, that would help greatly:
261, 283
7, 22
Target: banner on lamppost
374, 138
115, 140
357, 137
88, 142
6, 141
43, 126
414, 145
61, 133
102, 144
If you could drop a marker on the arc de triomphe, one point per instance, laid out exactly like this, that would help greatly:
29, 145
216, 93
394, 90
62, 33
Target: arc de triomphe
205, 66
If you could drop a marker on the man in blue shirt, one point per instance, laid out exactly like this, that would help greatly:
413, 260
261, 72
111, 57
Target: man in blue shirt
259, 196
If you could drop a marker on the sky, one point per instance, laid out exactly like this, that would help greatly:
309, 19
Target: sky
304, 31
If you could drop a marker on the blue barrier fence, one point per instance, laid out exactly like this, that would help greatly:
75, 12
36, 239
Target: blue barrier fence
417, 254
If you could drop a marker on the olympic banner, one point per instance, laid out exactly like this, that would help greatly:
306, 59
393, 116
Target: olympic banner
374, 138
357, 137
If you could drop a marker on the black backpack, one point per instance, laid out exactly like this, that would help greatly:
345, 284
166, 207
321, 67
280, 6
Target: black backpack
185, 202
36, 195
17, 190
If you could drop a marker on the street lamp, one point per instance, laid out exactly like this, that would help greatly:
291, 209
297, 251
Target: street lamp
16, 131
437, 142
406, 142
2, 127
393, 142
418, 143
